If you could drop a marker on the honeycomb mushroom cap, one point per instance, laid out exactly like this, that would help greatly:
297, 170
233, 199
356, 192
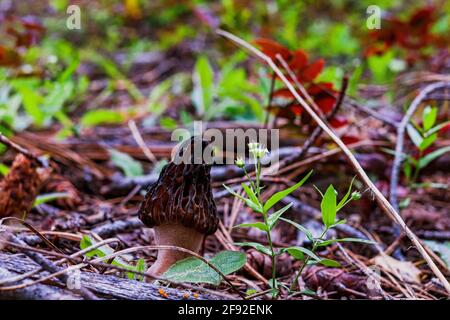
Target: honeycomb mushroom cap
182, 195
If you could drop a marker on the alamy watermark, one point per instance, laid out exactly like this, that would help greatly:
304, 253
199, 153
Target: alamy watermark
74, 280
231, 144
73, 21
374, 19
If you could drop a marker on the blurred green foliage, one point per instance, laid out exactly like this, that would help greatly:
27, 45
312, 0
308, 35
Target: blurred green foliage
51, 84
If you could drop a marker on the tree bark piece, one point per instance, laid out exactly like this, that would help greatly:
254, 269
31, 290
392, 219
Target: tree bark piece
35, 292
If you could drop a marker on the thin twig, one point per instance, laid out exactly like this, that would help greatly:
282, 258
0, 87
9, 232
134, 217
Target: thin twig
384, 203
269, 104
69, 258
140, 141
23, 151
352, 103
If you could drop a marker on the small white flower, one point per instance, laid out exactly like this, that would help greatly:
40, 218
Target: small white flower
239, 162
253, 145
258, 150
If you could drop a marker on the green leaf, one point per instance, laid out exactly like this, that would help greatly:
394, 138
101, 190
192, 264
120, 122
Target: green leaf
280, 195
255, 245
344, 199
100, 252
259, 225
298, 249
194, 270
442, 248
303, 229
358, 240
429, 117
329, 263
407, 169
248, 202
250, 292
296, 254
96, 117
438, 127
119, 262
379, 66
3, 169
252, 196
428, 141
48, 197
129, 166
203, 78
155, 101
273, 218
342, 221
423, 162
414, 135
328, 206
168, 123
141, 267
31, 102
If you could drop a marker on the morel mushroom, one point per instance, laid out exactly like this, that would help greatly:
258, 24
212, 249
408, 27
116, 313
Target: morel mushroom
180, 206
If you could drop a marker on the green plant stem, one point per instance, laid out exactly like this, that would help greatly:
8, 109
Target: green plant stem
258, 172
417, 168
269, 237
273, 255
250, 180
316, 242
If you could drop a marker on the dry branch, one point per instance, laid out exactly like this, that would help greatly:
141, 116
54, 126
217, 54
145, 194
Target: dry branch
36, 292
41, 161
106, 286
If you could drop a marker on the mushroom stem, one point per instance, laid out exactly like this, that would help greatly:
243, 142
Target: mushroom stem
174, 235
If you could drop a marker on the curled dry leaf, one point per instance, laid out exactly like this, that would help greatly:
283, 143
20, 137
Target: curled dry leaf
334, 279
404, 270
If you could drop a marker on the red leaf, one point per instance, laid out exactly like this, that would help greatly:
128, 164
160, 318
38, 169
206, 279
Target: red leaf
349, 139
309, 73
321, 87
296, 109
8, 57
338, 122
325, 104
272, 48
299, 60
285, 112
283, 93
445, 129
422, 17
